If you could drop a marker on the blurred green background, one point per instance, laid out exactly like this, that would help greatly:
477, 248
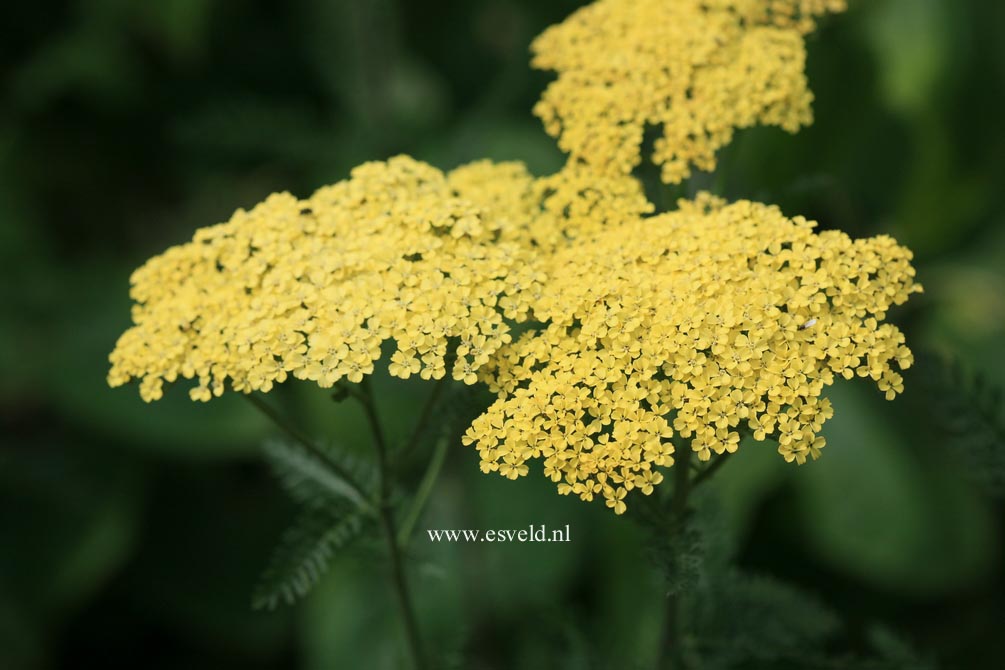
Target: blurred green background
132, 535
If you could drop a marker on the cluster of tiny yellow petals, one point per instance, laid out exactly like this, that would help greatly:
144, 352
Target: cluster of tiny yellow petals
795, 14
312, 288
699, 69
696, 325
547, 213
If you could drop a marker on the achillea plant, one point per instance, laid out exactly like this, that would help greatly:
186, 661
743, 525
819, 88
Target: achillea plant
696, 326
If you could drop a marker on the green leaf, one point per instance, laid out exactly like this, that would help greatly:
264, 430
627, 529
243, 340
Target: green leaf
311, 481
913, 50
738, 618
869, 507
305, 551
966, 409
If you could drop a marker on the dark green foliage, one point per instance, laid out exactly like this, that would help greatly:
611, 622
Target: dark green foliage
735, 619
686, 547
335, 513
967, 409
305, 551
309, 479
743, 620
729, 617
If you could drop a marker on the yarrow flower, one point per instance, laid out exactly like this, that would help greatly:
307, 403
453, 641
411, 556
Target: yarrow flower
701, 323
699, 69
312, 288
647, 333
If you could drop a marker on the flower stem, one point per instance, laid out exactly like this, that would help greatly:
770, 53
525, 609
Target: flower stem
425, 415
710, 470
425, 488
671, 654
388, 525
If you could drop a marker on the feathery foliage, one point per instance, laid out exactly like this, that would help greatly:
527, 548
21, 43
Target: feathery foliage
305, 552
334, 490
309, 478
967, 410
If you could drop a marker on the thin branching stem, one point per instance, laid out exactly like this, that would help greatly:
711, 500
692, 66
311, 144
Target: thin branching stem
388, 525
425, 489
425, 416
682, 487
710, 469
307, 443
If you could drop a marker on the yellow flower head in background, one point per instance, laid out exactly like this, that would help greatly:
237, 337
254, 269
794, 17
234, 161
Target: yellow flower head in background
697, 69
312, 288
701, 323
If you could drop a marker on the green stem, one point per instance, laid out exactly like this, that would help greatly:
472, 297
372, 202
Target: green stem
682, 487
424, 417
425, 489
390, 534
671, 654
308, 444
710, 470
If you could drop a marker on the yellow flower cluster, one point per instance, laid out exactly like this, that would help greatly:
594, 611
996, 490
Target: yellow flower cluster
688, 328
698, 68
312, 288
547, 213
795, 14
701, 323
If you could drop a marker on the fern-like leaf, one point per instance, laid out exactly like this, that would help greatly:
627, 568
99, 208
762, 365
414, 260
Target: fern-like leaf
305, 552
967, 410
312, 481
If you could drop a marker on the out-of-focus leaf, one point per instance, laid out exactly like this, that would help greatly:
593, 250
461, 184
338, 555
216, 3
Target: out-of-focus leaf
180, 27
869, 509
351, 615
94, 62
967, 410
740, 619
245, 128
751, 474
913, 48
92, 310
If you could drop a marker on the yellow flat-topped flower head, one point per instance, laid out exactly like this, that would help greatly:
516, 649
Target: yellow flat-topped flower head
312, 288
698, 323
696, 69
400, 251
